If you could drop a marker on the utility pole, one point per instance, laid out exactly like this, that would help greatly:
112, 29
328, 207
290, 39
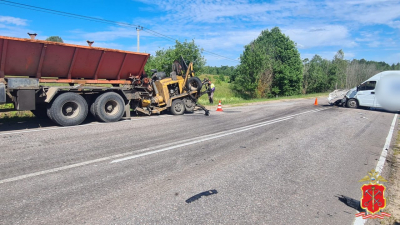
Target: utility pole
138, 29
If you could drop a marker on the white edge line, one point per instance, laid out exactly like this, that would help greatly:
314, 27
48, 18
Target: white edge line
195, 142
236, 130
222, 132
214, 135
381, 162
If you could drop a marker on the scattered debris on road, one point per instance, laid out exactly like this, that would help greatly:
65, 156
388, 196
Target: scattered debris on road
198, 196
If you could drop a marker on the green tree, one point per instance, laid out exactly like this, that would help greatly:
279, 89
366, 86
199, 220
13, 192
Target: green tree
221, 77
163, 59
339, 70
317, 76
270, 65
55, 39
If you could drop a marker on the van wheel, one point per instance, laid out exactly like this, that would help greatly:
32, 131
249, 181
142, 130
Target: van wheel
352, 103
109, 107
177, 107
68, 109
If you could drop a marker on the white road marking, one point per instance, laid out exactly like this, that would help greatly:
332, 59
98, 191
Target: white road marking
83, 125
214, 136
381, 162
196, 141
163, 147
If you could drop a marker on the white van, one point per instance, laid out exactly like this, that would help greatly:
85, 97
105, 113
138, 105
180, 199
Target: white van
380, 91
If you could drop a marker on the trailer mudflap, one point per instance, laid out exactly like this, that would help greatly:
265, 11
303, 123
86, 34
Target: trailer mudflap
2, 93
25, 100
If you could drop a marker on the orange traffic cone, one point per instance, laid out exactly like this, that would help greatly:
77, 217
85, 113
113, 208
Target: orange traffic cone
316, 101
219, 109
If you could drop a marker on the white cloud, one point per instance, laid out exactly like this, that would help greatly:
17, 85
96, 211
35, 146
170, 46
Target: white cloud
374, 44
365, 2
329, 35
13, 20
395, 24
216, 11
366, 12
228, 40
112, 33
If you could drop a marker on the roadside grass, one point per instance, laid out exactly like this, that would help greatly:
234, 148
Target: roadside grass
225, 94
13, 114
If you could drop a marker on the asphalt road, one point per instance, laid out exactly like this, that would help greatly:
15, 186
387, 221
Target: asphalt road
276, 163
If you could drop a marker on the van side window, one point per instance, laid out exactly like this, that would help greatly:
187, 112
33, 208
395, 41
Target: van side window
367, 86
370, 85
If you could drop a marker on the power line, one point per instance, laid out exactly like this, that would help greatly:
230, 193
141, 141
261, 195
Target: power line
94, 19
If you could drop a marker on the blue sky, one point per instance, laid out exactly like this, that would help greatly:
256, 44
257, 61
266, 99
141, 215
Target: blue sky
368, 29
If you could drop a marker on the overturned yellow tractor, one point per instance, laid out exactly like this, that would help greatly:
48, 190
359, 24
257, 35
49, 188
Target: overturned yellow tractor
178, 93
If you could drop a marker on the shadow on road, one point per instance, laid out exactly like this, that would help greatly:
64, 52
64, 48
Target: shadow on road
198, 196
15, 124
350, 202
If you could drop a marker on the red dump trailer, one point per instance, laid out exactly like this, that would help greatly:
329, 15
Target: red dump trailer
64, 82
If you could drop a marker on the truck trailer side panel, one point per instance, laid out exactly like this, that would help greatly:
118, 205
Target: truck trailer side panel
65, 62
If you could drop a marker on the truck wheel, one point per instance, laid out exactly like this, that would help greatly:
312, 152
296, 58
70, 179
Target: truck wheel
40, 112
194, 84
91, 109
48, 114
189, 105
177, 107
352, 103
109, 107
68, 109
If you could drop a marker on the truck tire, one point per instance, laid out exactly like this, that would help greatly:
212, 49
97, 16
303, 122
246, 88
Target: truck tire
189, 105
49, 115
68, 109
177, 107
194, 84
352, 103
91, 110
109, 107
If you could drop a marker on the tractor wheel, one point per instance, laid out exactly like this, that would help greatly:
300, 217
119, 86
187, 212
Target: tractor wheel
194, 84
177, 107
68, 109
189, 105
109, 107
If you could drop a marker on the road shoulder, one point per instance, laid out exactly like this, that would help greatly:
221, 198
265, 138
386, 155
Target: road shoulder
393, 186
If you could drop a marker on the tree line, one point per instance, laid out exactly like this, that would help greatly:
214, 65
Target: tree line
271, 65
320, 75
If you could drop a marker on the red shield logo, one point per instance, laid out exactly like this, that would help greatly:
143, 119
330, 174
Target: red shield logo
373, 198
